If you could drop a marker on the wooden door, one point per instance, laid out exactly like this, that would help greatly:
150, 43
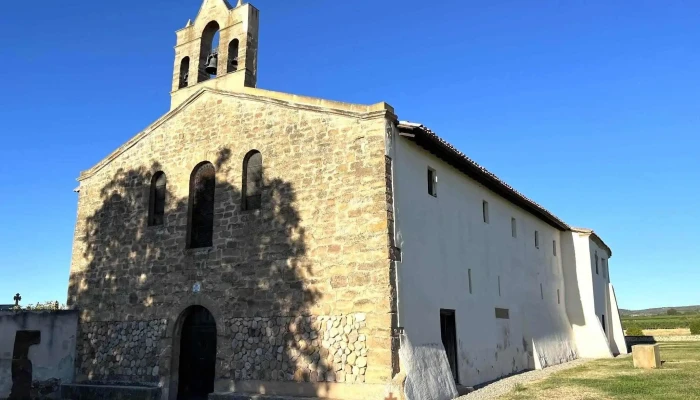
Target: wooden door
197, 355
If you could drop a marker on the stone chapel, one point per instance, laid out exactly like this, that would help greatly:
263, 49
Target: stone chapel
256, 242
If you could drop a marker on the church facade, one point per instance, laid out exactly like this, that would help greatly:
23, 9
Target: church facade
251, 241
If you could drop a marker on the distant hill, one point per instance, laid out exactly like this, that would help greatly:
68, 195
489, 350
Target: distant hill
659, 311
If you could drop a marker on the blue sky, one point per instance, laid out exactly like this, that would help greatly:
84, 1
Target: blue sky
589, 107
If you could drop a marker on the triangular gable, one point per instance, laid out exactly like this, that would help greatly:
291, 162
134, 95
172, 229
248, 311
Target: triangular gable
264, 96
207, 5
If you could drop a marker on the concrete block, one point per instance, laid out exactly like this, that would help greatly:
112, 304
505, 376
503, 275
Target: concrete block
646, 356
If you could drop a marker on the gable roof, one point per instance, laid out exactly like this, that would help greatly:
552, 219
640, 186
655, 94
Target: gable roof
360, 111
430, 141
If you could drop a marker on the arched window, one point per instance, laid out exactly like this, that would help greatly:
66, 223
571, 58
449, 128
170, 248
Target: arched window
184, 72
156, 202
201, 212
209, 52
252, 181
232, 64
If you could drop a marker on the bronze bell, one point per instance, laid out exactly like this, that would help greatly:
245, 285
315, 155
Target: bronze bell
234, 64
212, 63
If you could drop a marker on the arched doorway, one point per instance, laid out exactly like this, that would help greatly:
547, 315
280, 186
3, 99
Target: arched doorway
197, 354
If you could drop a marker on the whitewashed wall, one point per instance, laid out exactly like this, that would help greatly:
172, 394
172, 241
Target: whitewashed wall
600, 283
587, 295
442, 238
52, 358
617, 343
605, 300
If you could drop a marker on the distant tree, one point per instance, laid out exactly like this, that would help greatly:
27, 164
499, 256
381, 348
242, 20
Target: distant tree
672, 311
695, 327
45, 306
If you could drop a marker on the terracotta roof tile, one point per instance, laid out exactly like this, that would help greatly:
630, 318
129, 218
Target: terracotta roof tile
430, 140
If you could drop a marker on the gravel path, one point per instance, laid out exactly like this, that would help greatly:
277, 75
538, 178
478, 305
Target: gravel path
505, 385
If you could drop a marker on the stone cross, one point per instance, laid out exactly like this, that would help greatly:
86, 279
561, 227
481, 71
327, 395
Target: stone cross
17, 298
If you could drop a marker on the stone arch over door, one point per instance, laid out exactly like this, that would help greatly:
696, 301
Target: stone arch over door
176, 320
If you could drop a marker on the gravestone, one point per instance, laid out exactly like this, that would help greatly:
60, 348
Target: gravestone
21, 365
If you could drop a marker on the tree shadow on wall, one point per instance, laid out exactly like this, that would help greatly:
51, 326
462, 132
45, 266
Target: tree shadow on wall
133, 277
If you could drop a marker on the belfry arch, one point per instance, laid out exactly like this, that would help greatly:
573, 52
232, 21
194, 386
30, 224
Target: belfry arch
221, 44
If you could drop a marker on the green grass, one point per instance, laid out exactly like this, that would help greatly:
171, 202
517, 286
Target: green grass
660, 321
678, 379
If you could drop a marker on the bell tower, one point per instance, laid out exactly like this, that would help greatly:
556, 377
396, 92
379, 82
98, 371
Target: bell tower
230, 64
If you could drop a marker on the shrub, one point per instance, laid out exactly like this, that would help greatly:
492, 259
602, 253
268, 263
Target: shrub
672, 311
695, 327
45, 306
634, 330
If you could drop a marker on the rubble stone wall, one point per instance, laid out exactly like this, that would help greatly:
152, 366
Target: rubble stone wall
316, 249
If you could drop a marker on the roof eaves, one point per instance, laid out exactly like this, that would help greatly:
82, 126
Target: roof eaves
595, 237
429, 140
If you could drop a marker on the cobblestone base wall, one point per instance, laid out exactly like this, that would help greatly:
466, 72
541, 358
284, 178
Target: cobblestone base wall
302, 349
312, 349
120, 351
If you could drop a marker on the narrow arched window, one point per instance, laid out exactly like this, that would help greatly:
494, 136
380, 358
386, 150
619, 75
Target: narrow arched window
232, 56
209, 52
201, 212
156, 202
184, 73
252, 181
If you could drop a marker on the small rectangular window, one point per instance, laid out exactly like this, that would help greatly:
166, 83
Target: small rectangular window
499, 286
554, 248
432, 182
485, 211
596, 264
502, 313
537, 239
513, 227
469, 273
558, 297
602, 322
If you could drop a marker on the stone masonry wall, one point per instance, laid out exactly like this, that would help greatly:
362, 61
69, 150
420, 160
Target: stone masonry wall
326, 349
317, 247
330, 349
120, 351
